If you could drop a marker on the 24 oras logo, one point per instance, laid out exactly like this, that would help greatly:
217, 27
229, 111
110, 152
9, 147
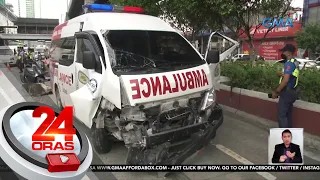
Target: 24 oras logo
44, 138
36, 140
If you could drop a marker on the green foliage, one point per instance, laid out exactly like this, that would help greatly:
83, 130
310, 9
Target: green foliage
240, 14
182, 14
198, 15
309, 37
151, 6
262, 77
186, 14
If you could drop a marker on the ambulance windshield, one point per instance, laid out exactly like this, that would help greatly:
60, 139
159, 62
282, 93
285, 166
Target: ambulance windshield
151, 50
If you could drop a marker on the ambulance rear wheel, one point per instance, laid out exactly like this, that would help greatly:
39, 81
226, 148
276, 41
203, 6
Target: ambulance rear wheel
101, 140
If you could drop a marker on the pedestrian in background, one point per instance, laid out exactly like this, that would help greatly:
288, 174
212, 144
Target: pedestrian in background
20, 60
288, 82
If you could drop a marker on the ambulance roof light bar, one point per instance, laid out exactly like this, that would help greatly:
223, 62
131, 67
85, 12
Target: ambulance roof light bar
111, 8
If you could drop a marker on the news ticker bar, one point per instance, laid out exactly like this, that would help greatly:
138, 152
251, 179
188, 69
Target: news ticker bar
199, 168
208, 168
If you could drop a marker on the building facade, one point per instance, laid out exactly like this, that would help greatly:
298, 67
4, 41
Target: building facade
311, 11
3, 2
30, 13
269, 46
7, 19
36, 25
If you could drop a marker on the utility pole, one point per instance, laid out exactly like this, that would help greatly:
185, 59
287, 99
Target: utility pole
19, 6
40, 9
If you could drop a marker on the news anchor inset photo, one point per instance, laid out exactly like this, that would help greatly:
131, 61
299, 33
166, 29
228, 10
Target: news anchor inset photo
286, 146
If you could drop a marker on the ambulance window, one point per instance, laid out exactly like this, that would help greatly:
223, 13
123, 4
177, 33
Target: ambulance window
55, 49
85, 45
67, 51
163, 48
100, 48
172, 47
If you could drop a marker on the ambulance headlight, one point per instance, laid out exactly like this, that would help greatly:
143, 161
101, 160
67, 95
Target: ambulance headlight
208, 100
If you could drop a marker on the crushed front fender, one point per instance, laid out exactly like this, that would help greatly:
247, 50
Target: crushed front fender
174, 146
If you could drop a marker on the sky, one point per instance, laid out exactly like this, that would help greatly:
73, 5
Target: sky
52, 9
56, 9
297, 3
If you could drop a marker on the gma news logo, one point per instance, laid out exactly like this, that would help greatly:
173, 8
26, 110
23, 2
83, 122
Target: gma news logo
46, 137
277, 22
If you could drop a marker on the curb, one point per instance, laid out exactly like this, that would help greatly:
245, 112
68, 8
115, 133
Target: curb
311, 141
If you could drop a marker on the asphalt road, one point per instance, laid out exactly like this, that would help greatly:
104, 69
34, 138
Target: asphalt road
237, 142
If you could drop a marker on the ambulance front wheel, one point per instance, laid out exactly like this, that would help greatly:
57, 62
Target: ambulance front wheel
101, 140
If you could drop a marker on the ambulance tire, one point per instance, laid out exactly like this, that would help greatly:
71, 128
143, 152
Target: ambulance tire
101, 140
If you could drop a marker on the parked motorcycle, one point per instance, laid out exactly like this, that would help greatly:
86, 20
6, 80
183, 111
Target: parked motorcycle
34, 71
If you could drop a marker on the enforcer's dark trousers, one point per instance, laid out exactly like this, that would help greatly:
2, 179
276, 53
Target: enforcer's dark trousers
285, 107
20, 65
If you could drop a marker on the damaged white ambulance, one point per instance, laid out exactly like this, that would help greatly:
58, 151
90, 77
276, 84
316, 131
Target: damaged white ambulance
132, 78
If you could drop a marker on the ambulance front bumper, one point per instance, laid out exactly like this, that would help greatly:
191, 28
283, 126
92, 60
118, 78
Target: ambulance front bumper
172, 147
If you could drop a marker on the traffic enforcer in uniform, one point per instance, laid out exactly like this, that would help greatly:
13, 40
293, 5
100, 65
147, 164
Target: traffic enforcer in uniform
287, 89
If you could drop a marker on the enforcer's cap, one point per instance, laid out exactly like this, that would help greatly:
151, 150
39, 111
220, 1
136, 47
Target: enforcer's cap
288, 47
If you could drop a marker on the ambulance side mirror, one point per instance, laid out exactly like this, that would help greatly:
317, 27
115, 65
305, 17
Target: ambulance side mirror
213, 57
89, 61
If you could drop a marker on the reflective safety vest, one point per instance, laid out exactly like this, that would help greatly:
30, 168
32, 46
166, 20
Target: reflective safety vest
295, 73
30, 55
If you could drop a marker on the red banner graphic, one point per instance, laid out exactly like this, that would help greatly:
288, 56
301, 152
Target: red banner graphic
259, 33
269, 49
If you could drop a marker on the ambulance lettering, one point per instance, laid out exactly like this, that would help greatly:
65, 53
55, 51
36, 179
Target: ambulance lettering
64, 78
54, 69
161, 85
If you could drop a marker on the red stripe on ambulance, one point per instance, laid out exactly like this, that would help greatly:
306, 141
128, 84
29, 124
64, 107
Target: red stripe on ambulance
57, 31
161, 85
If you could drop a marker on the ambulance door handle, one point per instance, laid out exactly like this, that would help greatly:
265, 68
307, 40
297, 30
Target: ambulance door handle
72, 78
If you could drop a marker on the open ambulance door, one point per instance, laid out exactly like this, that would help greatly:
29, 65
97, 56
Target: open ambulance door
91, 84
225, 46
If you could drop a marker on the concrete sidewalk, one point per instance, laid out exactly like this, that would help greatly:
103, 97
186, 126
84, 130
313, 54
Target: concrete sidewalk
311, 141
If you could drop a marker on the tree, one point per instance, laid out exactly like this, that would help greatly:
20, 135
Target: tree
309, 37
184, 15
242, 15
151, 7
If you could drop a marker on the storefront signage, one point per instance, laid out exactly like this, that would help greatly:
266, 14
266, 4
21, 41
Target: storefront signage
277, 22
269, 49
258, 32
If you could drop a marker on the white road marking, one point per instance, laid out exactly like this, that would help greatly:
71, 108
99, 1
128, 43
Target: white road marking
85, 177
4, 80
243, 160
311, 155
5, 96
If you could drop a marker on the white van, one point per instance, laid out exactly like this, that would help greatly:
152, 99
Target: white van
240, 57
7, 55
131, 77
